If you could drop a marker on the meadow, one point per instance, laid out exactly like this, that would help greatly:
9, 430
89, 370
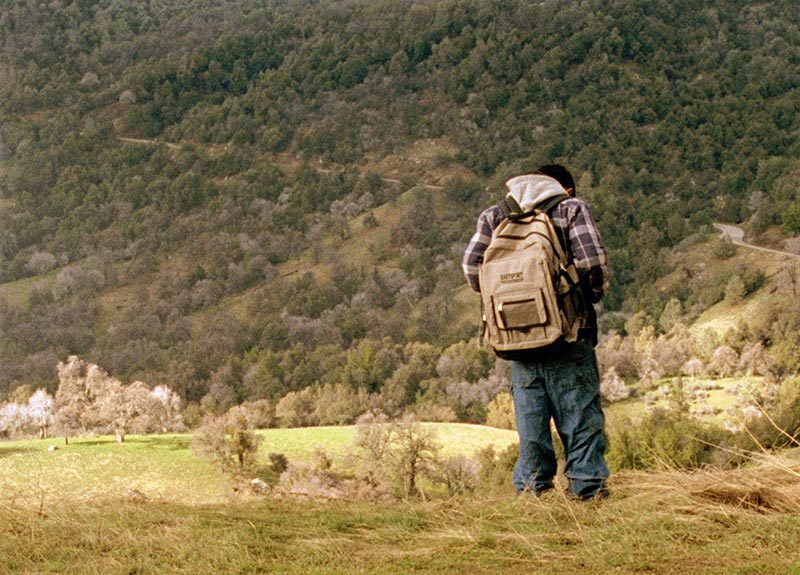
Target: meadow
152, 506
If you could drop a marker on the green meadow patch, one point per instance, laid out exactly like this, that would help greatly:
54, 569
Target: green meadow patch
455, 438
163, 467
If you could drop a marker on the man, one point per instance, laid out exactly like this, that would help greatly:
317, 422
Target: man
560, 381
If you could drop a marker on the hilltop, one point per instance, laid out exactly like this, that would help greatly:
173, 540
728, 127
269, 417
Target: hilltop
168, 512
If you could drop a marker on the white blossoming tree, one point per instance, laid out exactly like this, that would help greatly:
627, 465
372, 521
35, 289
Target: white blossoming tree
40, 412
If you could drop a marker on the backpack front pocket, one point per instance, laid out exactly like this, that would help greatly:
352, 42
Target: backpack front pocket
520, 310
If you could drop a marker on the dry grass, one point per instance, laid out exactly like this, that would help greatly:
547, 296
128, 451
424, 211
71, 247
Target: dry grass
701, 522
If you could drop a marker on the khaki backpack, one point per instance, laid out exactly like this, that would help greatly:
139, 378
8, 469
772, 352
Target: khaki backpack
529, 285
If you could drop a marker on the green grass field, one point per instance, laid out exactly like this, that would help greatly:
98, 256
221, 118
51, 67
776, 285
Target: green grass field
164, 468
72, 511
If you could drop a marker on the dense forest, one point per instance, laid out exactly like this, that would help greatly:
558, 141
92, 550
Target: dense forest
243, 200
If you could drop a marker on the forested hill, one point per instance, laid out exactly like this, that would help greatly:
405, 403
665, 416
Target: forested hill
281, 240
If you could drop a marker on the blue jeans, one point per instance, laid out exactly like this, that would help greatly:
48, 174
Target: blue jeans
564, 386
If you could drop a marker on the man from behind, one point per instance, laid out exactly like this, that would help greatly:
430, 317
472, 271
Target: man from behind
560, 381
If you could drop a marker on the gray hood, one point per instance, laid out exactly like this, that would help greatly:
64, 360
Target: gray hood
532, 189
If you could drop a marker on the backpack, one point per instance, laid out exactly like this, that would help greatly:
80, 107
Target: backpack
530, 295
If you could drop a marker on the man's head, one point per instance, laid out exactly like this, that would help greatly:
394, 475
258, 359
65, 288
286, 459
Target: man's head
559, 173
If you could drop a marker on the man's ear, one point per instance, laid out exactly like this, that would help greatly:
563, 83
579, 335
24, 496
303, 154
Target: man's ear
570, 192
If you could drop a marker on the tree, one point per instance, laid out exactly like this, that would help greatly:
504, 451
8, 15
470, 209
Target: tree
72, 397
790, 218
693, 368
621, 354
296, 409
40, 411
228, 439
414, 451
671, 315
464, 361
372, 442
755, 360
168, 416
12, 419
124, 408
724, 361
339, 404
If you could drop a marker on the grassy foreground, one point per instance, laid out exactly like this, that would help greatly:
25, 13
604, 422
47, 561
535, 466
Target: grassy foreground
77, 516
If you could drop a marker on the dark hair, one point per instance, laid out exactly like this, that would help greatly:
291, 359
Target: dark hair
557, 172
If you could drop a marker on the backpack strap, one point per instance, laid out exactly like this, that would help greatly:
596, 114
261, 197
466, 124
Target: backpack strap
512, 210
551, 203
564, 256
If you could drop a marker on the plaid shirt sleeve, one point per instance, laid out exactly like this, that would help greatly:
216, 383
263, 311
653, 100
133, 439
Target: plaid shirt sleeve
585, 244
473, 256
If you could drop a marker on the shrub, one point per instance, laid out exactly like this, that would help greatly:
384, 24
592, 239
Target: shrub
500, 412
775, 427
458, 473
496, 468
665, 440
413, 451
723, 248
278, 462
612, 388
373, 436
752, 277
735, 290
41, 263
310, 480
74, 280
432, 411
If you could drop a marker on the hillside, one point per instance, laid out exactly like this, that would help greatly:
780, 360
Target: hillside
243, 203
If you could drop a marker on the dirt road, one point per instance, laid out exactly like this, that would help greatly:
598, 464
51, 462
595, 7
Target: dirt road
736, 235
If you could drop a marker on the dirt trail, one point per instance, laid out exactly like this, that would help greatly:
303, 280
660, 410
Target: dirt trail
148, 142
736, 236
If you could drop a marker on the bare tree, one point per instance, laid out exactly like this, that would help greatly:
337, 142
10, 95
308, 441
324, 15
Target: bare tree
72, 397
414, 452
755, 360
123, 407
372, 441
724, 361
693, 368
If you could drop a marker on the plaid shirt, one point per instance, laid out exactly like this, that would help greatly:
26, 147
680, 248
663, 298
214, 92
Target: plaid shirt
571, 219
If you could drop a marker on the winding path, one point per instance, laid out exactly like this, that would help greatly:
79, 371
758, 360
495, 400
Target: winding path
736, 235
